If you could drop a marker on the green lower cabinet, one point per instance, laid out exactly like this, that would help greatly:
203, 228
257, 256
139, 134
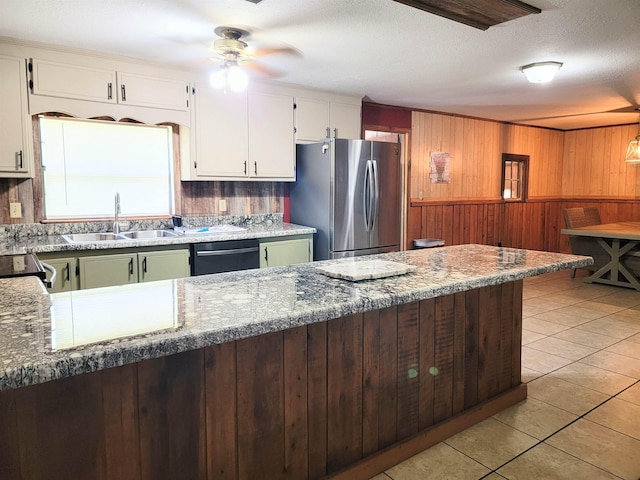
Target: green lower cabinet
275, 253
107, 270
113, 268
163, 265
67, 273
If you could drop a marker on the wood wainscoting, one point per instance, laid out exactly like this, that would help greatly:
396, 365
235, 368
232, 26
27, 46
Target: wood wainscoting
345, 398
534, 224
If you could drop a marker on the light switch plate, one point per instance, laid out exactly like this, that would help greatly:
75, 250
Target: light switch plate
15, 210
222, 205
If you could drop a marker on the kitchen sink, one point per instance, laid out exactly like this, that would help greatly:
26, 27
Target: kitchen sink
148, 234
102, 237
90, 237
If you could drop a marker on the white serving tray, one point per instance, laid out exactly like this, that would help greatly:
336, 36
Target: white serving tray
365, 270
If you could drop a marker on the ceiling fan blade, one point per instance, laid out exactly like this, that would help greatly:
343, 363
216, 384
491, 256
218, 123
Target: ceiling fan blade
262, 70
266, 51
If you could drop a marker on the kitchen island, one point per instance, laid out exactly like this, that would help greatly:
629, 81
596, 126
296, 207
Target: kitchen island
272, 373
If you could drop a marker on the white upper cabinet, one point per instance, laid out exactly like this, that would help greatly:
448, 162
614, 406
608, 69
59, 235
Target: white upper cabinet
145, 91
346, 120
72, 81
239, 136
271, 139
312, 119
219, 136
320, 116
56, 79
15, 134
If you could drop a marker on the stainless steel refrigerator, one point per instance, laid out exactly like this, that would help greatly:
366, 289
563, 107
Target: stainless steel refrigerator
349, 190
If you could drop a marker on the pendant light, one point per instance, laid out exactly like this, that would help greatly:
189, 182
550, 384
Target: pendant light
633, 150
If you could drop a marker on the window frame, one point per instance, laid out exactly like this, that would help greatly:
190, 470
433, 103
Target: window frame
39, 181
523, 160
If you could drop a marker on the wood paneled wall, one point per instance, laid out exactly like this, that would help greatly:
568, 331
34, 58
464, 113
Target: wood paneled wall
533, 225
476, 147
593, 163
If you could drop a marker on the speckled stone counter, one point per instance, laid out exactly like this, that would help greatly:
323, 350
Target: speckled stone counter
38, 238
42, 335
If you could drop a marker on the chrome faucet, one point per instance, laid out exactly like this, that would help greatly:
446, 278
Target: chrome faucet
116, 223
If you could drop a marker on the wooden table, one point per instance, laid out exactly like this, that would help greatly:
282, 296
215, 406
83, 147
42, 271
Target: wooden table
617, 240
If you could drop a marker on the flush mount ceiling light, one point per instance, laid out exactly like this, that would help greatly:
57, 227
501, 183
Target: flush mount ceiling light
633, 150
541, 72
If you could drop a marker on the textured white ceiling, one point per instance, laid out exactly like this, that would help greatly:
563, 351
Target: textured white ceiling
389, 52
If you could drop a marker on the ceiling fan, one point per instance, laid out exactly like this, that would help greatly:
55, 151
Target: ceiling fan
233, 52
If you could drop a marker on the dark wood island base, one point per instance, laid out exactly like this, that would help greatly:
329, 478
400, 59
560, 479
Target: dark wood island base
345, 398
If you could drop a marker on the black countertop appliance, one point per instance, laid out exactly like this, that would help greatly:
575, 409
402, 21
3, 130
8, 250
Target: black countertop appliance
22, 265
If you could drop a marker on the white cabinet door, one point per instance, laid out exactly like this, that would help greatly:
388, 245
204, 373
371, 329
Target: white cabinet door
15, 157
145, 91
271, 137
220, 135
312, 119
73, 81
345, 120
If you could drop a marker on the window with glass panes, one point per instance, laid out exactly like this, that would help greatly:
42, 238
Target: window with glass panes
514, 177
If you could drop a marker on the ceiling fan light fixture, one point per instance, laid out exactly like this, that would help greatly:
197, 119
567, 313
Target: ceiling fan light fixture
230, 77
541, 72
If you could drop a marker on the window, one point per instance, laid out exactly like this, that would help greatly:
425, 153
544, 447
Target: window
514, 177
86, 162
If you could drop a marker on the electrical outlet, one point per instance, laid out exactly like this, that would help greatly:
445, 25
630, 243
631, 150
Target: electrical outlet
222, 205
15, 210
18, 263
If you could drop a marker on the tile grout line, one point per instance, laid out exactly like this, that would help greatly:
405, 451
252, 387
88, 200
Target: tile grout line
554, 433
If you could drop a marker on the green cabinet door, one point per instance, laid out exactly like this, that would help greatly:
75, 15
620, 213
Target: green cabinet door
106, 270
163, 265
66, 277
276, 253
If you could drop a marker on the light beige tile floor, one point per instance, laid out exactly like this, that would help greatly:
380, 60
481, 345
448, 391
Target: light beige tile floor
581, 420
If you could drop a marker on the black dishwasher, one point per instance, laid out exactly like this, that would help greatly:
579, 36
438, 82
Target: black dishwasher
226, 256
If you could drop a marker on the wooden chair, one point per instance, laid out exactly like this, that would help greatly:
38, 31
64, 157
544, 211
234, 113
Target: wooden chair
583, 217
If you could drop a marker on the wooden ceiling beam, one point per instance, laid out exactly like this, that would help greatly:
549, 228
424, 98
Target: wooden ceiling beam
480, 14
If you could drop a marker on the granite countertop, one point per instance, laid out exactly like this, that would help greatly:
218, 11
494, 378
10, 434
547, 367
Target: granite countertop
50, 239
45, 337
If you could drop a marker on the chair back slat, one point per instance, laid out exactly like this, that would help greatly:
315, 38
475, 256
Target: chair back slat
581, 216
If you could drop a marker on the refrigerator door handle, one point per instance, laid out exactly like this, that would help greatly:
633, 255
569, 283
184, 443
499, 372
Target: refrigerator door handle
376, 194
366, 195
